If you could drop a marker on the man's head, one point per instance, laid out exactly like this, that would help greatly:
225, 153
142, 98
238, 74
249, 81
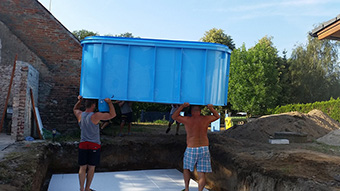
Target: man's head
90, 103
195, 110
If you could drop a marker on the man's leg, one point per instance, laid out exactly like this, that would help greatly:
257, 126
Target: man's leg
171, 121
89, 177
129, 128
177, 128
201, 180
186, 176
169, 127
121, 128
82, 175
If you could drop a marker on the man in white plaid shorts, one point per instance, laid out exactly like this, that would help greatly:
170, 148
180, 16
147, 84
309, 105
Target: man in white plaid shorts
197, 152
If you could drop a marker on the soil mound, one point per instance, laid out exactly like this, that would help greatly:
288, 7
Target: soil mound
332, 138
315, 124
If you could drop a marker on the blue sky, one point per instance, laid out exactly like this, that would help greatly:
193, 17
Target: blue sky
246, 21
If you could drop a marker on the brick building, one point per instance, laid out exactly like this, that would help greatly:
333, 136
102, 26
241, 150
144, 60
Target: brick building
49, 60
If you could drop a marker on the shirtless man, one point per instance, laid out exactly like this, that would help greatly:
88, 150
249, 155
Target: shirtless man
197, 151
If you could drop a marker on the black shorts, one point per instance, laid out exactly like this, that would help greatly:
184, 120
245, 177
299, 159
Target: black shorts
89, 157
127, 117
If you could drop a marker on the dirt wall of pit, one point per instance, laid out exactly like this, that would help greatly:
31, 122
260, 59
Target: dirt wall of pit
230, 172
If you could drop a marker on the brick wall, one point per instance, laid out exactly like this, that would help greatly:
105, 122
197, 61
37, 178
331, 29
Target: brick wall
51, 49
26, 78
10, 45
5, 76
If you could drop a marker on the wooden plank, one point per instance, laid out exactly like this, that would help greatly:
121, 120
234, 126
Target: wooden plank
35, 114
8, 93
39, 122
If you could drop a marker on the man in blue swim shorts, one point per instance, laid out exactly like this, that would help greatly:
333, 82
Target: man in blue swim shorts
89, 146
197, 152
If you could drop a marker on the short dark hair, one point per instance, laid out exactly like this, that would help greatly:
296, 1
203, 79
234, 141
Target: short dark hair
90, 102
195, 107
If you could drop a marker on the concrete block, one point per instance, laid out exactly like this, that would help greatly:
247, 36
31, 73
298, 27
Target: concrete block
278, 141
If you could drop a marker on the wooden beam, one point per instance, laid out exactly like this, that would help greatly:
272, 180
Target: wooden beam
8, 93
35, 114
329, 31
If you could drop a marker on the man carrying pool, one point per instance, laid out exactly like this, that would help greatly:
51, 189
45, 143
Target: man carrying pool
197, 151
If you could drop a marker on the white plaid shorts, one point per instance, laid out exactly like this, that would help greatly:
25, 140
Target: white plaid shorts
199, 156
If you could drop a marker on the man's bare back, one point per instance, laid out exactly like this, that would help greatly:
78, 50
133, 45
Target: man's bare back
196, 125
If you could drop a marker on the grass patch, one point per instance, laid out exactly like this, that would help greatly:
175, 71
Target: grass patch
18, 167
324, 148
13, 156
5, 176
286, 169
161, 121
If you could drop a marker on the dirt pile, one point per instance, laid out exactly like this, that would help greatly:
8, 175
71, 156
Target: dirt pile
332, 138
315, 124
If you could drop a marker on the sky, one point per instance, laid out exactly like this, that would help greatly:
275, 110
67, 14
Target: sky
288, 22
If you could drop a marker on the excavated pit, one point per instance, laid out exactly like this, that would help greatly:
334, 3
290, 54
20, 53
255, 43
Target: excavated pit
231, 170
242, 159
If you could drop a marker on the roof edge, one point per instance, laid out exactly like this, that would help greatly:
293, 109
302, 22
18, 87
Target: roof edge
324, 25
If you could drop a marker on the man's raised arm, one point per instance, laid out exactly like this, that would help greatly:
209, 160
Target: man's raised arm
112, 108
176, 115
215, 115
76, 108
104, 116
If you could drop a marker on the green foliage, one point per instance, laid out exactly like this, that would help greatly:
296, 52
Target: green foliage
127, 35
219, 109
284, 80
81, 34
254, 78
139, 106
314, 71
218, 36
161, 121
331, 108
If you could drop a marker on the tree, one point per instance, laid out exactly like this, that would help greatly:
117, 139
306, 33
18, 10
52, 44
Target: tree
81, 34
254, 78
127, 35
284, 80
218, 36
314, 71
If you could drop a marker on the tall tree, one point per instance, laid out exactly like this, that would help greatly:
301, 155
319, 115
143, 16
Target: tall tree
284, 80
81, 34
314, 71
254, 78
218, 36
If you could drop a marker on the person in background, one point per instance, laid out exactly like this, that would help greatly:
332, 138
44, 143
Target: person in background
89, 146
174, 107
126, 118
197, 151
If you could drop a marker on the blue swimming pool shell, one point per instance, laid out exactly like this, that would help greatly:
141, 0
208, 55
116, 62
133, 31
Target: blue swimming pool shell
158, 71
